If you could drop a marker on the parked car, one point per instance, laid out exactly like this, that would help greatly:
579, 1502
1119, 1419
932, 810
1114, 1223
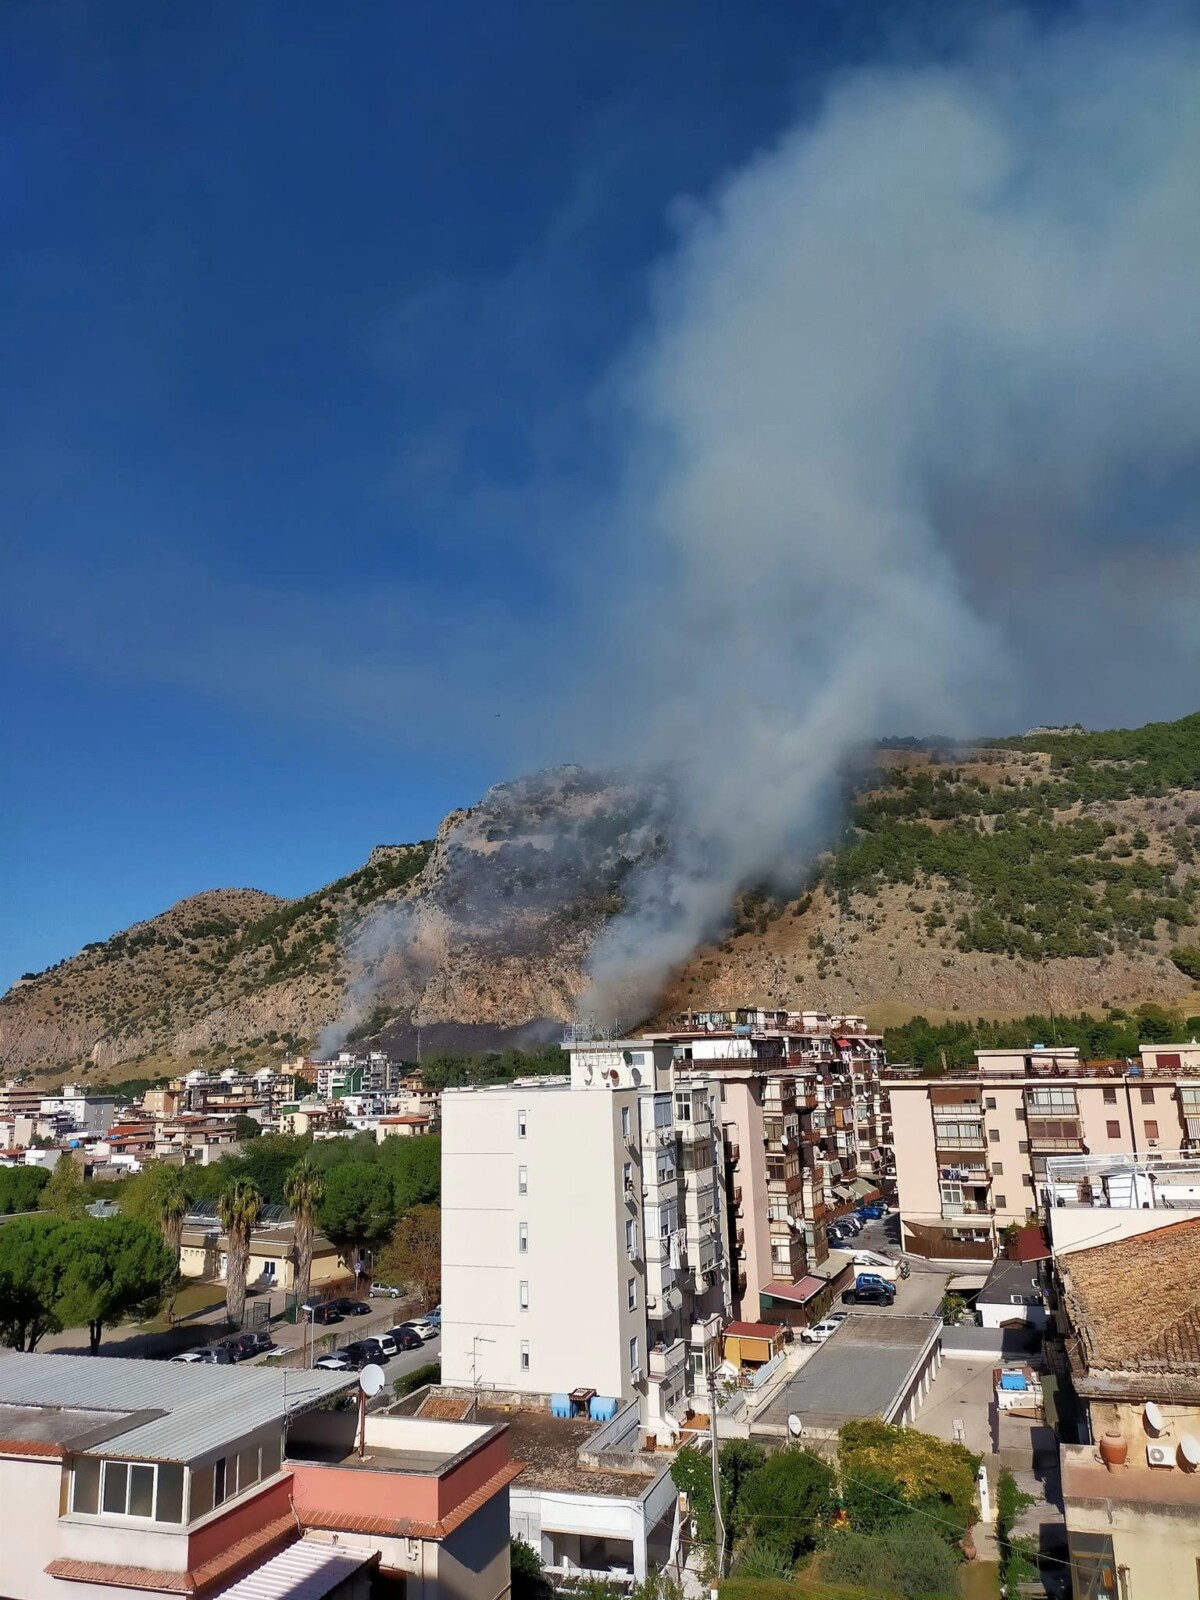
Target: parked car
255, 1343
837, 1316
820, 1331
876, 1294
424, 1328
434, 1316
384, 1291
337, 1361
347, 1306
213, 1355
368, 1350
386, 1343
406, 1338
189, 1355
324, 1313
874, 1212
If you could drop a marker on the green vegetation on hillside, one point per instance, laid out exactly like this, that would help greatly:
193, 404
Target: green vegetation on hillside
1044, 880
926, 1045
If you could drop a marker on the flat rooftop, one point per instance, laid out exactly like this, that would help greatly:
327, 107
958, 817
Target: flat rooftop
861, 1371
548, 1447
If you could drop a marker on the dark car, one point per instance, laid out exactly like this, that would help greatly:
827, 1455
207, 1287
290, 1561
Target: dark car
348, 1307
873, 1294
253, 1344
368, 1350
325, 1314
406, 1338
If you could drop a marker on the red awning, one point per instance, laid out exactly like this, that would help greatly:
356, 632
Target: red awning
798, 1293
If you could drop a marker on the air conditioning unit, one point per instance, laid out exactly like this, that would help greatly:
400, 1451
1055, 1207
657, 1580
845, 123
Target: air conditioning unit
633, 1252
630, 1187
635, 1377
1159, 1453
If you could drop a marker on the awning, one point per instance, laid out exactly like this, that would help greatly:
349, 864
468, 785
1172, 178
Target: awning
967, 1283
306, 1570
798, 1293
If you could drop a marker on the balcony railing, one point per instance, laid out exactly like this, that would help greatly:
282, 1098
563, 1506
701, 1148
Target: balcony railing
667, 1360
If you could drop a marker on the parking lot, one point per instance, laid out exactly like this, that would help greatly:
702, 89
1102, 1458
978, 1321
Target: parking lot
920, 1294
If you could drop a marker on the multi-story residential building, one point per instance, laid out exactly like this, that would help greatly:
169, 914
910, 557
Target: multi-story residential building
801, 1109
84, 1112
582, 1233
348, 1073
120, 1476
1125, 1232
972, 1147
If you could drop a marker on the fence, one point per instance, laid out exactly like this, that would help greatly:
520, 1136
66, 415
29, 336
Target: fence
934, 1244
324, 1343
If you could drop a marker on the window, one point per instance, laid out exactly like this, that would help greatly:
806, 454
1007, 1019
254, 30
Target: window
523, 1238
268, 1269
630, 1236
1110, 1097
683, 1108
1001, 1203
522, 1125
524, 1355
523, 1295
1027, 1180
990, 1102
631, 1294
625, 1122
994, 1135
86, 1489
1147, 1096
1023, 1147
1020, 1113
997, 1169
1113, 1129
1151, 1129
126, 1490
633, 1354
627, 1176
522, 1180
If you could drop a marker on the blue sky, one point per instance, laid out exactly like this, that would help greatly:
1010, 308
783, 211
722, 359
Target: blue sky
307, 316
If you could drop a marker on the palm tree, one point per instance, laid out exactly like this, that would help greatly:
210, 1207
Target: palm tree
173, 1205
238, 1206
304, 1190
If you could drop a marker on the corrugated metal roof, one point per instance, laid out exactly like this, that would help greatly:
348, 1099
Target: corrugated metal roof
204, 1407
304, 1571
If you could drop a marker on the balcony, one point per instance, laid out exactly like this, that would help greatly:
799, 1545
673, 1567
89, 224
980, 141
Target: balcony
667, 1361
704, 1333
945, 1141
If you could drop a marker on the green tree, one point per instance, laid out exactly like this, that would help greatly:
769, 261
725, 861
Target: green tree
247, 1127
21, 1189
528, 1578
787, 1500
692, 1472
905, 1560
119, 1268
413, 1254
238, 1208
63, 1197
35, 1255
303, 1192
359, 1207
265, 1162
887, 1472
172, 1210
415, 1168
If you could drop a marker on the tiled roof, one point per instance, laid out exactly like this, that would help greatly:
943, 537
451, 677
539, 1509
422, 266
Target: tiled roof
1135, 1303
270, 1537
446, 1408
754, 1330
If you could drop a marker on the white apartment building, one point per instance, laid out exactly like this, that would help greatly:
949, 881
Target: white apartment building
582, 1250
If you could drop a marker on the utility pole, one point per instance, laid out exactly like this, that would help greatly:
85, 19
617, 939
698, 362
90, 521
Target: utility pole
716, 1474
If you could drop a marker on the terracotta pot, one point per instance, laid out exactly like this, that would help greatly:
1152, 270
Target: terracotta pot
1113, 1450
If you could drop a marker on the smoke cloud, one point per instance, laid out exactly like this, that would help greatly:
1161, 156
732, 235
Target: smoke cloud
913, 425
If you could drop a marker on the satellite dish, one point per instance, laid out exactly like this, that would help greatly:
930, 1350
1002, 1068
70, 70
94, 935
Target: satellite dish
1189, 1449
795, 1427
371, 1380
1153, 1416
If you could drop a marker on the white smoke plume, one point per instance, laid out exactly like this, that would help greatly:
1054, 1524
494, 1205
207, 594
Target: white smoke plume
922, 385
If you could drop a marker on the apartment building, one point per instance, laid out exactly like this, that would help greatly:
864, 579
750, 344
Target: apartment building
1125, 1233
972, 1147
801, 1113
122, 1475
583, 1257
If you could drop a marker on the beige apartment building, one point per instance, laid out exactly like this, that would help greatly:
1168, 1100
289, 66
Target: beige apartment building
582, 1234
971, 1147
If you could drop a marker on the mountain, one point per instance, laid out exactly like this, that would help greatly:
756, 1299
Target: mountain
1057, 870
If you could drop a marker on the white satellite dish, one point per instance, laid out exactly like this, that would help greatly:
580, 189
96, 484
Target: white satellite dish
1153, 1416
1189, 1449
795, 1427
371, 1380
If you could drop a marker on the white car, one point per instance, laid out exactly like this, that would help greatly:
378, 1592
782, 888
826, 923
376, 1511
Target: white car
820, 1331
337, 1362
424, 1329
384, 1291
189, 1355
